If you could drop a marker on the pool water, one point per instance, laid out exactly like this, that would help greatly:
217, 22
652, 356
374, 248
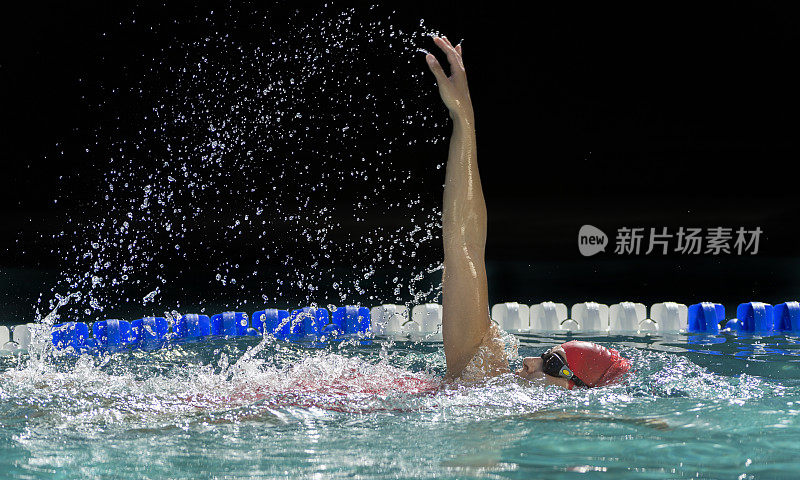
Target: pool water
707, 407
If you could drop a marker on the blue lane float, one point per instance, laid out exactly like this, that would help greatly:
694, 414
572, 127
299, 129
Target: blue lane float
272, 321
149, 332
755, 317
762, 318
112, 335
352, 319
705, 317
192, 325
787, 317
71, 334
232, 324
308, 323
305, 324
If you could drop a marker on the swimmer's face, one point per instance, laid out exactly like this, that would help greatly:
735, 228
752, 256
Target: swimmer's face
532, 369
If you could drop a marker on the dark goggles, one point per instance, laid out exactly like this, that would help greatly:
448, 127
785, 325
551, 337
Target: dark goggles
553, 365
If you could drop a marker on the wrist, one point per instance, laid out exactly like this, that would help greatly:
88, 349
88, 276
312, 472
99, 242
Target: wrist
463, 119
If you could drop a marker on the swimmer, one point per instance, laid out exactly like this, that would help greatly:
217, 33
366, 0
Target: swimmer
472, 344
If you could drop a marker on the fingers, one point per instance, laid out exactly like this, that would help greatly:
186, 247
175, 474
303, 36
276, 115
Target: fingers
444, 45
458, 49
453, 57
433, 64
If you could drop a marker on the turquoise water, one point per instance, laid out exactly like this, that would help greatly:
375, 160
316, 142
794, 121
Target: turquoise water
707, 407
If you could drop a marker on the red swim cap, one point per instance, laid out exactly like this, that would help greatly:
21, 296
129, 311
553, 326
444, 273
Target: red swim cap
595, 365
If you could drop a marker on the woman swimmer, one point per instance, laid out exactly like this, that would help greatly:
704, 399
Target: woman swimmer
472, 344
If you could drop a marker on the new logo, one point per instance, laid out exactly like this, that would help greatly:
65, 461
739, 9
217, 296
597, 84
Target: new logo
591, 240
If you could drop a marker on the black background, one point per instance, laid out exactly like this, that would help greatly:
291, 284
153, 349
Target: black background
656, 115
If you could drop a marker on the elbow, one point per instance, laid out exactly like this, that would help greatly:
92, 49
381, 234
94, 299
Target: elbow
464, 246
465, 237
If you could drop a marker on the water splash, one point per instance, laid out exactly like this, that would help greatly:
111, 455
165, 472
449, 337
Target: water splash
170, 386
283, 154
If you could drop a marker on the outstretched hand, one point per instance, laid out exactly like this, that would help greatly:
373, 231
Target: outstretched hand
453, 89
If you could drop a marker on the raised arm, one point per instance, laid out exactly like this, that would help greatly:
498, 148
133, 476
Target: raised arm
465, 299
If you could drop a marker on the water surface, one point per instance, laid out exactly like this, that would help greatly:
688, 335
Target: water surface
712, 407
